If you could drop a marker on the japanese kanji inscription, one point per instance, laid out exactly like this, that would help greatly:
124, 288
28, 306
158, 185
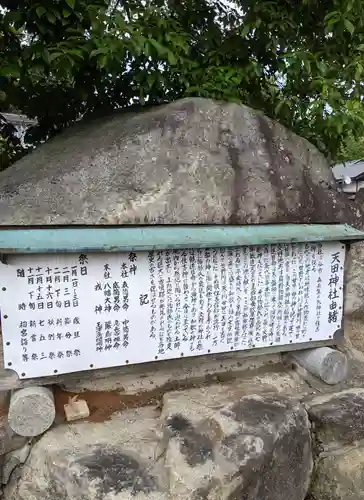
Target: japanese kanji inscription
67, 313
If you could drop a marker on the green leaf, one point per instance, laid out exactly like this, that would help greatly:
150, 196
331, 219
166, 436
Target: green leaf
76, 52
349, 5
307, 66
55, 55
151, 80
10, 70
333, 20
322, 67
349, 26
171, 58
159, 48
245, 30
358, 71
45, 56
279, 107
193, 89
236, 79
12, 16
331, 14
102, 61
71, 4
42, 29
51, 17
101, 50
40, 11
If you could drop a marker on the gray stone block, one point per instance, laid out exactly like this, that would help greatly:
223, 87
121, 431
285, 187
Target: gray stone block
31, 411
329, 365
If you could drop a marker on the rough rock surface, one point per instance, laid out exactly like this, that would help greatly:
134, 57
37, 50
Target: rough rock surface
340, 477
339, 418
31, 411
354, 293
9, 440
354, 281
255, 448
192, 161
114, 459
208, 444
6, 434
338, 426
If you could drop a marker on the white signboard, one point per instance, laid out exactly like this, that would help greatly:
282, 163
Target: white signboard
67, 313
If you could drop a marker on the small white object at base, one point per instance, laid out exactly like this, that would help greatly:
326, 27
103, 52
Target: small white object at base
76, 409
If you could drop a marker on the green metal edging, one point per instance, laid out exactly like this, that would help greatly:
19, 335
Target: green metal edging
23, 240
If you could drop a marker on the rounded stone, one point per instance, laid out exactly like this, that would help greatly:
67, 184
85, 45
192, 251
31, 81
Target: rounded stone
329, 365
31, 411
193, 161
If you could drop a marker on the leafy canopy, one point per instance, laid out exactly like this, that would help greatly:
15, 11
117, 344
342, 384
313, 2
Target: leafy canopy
299, 61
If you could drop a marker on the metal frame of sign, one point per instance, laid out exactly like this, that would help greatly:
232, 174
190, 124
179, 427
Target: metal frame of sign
98, 239
50, 239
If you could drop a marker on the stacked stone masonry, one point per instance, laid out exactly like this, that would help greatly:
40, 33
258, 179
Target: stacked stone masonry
263, 437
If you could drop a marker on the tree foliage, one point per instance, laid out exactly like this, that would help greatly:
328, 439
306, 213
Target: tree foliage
11, 148
351, 149
299, 61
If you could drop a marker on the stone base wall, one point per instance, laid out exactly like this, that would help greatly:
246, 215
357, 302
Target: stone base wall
272, 434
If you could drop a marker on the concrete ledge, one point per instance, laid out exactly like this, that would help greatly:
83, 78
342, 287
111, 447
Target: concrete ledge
149, 376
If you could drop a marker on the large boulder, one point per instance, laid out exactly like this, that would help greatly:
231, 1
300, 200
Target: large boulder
192, 161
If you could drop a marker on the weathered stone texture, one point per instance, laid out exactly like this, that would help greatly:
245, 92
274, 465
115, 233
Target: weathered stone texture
192, 161
84, 461
338, 426
9, 440
354, 279
208, 444
257, 448
339, 418
340, 477
31, 411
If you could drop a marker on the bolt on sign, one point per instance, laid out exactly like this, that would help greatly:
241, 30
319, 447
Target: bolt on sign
148, 294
